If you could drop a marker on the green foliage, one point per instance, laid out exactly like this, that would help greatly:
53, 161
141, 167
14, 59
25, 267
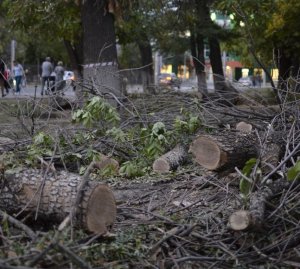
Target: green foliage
127, 245
94, 155
96, 109
154, 140
108, 171
187, 123
132, 169
293, 172
8, 159
42, 145
117, 134
5, 224
39, 27
149, 143
60, 18
245, 182
267, 25
82, 138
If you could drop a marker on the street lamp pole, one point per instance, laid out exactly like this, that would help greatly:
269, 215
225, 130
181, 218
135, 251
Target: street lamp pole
184, 66
224, 63
12, 52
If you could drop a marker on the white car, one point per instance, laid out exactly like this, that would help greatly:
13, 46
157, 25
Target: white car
69, 78
245, 81
69, 75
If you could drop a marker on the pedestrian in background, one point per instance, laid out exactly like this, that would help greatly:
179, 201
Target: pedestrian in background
2, 78
7, 77
47, 69
59, 71
18, 74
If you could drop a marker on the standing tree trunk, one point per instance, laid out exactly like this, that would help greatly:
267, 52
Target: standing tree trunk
147, 62
216, 63
197, 49
284, 64
296, 73
99, 46
75, 55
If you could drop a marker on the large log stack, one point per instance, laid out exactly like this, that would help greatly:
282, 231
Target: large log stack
52, 196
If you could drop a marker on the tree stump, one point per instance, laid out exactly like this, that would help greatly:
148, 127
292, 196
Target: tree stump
52, 196
223, 151
171, 160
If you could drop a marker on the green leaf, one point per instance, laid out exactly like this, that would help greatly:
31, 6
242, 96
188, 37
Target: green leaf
245, 186
247, 169
293, 172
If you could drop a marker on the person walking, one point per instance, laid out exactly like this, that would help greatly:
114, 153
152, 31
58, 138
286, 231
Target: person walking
59, 80
7, 77
47, 69
18, 73
2, 78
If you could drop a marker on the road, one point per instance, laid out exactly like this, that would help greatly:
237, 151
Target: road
32, 90
186, 86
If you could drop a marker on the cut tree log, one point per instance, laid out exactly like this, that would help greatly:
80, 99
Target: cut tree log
243, 127
53, 196
106, 162
223, 151
253, 218
171, 160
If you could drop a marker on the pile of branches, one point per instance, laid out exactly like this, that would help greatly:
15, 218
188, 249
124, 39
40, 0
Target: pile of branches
182, 219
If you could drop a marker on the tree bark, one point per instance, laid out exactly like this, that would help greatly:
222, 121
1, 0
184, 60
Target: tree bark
197, 50
216, 63
99, 46
223, 151
146, 58
171, 160
53, 195
284, 64
76, 57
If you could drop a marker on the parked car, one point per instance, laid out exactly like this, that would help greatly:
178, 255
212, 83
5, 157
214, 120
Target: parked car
69, 75
69, 78
169, 79
245, 81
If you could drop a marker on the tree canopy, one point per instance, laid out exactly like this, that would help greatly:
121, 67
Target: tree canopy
262, 26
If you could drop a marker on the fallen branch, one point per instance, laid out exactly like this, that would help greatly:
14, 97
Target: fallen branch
18, 224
